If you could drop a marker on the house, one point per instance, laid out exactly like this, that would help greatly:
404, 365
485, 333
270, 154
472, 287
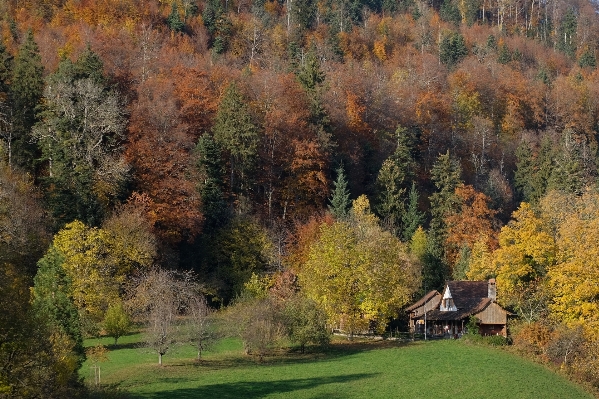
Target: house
449, 313
417, 310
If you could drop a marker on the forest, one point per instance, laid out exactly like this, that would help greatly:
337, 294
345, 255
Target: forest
323, 160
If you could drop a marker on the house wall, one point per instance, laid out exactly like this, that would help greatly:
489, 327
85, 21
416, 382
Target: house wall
431, 304
428, 305
493, 314
493, 329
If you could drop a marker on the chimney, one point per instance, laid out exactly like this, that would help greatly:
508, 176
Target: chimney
492, 289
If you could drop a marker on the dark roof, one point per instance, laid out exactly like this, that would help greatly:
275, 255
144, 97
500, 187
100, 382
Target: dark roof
474, 306
422, 300
467, 294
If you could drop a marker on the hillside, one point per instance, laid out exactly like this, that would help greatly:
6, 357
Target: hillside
324, 160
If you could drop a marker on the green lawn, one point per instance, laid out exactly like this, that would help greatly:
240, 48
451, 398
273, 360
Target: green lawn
439, 369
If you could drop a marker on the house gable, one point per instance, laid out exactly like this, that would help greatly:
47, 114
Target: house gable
447, 303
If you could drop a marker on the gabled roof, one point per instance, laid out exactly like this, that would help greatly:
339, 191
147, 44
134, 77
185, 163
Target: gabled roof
467, 294
423, 300
474, 306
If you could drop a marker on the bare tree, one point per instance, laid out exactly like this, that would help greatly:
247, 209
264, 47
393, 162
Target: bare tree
161, 298
200, 326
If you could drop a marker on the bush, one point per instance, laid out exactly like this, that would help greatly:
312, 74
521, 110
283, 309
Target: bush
305, 322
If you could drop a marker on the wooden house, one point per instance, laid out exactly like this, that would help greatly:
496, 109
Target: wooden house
417, 310
449, 313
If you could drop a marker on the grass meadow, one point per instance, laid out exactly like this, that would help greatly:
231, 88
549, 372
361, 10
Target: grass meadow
384, 369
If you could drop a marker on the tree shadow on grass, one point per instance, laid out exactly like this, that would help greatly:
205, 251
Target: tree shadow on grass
126, 345
336, 351
253, 389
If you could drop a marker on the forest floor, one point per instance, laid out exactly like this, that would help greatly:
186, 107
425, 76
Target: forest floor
359, 369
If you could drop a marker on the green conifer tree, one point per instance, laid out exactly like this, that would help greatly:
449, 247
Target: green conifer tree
393, 181
235, 132
311, 78
339, 201
53, 302
212, 188
27, 85
446, 176
412, 218
452, 49
174, 21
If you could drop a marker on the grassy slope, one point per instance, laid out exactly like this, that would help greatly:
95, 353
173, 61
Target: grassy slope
435, 369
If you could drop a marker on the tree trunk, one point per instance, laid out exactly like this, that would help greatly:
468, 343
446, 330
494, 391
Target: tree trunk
160, 359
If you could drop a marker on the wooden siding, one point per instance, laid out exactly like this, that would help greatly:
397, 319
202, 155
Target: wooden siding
428, 305
492, 314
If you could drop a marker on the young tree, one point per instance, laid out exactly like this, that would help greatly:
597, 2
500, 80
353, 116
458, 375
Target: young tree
116, 321
200, 325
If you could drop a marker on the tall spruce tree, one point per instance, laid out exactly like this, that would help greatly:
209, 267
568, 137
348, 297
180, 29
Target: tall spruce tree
393, 181
446, 176
339, 201
212, 188
533, 172
452, 49
26, 89
525, 168
174, 21
412, 218
311, 78
235, 132
568, 174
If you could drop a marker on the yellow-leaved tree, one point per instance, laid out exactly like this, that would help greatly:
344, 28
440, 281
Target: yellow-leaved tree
97, 260
359, 273
574, 280
526, 252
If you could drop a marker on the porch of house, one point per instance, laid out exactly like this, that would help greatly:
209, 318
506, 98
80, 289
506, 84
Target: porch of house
440, 328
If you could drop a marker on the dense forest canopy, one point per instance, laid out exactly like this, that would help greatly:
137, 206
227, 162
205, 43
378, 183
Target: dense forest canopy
230, 137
